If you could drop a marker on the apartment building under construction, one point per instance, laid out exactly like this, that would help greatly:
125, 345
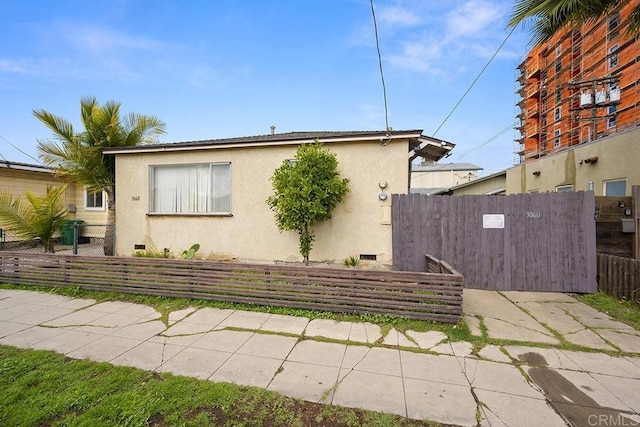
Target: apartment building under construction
580, 86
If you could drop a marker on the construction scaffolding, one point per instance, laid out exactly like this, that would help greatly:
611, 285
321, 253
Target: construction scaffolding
580, 86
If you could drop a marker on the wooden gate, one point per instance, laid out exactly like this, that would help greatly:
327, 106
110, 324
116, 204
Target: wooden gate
530, 242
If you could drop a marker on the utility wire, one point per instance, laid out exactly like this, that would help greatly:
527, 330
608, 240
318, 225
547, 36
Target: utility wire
488, 141
475, 81
26, 154
384, 88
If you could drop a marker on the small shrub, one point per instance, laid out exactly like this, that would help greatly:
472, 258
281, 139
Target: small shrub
150, 253
351, 261
191, 252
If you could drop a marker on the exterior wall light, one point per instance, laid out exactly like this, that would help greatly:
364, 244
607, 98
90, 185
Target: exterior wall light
382, 196
383, 184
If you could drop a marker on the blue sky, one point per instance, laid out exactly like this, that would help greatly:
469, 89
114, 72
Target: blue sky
215, 69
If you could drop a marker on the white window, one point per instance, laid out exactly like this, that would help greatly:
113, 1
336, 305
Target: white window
613, 56
203, 188
615, 187
614, 22
557, 113
556, 138
611, 116
563, 188
94, 200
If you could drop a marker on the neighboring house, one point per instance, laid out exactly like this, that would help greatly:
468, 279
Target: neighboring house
18, 178
214, 193
429, 177
608, 166
494, 184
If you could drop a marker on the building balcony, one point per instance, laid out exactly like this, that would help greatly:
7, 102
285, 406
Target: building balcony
533, 67
533, 90
533, 111
532, 130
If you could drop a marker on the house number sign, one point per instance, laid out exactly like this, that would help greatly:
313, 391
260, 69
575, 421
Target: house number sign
493, 221
135, 198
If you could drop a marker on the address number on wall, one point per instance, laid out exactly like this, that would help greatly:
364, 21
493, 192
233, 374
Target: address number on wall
135, 198
532, 215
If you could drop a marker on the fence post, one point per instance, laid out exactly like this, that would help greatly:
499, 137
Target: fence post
1, 239
75, 238
635, 206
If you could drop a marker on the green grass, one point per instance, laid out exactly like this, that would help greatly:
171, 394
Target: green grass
165, 305
45, 388
625, 311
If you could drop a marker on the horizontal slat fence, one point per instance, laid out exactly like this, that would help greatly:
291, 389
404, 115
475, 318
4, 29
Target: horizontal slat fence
424, 296
618, 276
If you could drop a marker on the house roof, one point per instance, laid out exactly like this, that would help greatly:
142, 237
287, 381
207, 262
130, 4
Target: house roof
445, 167
419, 145
4, 164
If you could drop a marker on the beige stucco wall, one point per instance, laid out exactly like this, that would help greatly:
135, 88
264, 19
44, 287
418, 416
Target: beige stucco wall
441, 179
251, 233
618, 158
484, 186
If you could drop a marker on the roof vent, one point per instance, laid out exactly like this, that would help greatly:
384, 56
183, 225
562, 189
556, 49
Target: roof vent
273, 130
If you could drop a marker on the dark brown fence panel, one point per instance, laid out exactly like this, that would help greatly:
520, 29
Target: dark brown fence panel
618, 276
435, 296
540, 242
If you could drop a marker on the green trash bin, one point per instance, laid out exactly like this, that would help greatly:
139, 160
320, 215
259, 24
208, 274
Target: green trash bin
66, 231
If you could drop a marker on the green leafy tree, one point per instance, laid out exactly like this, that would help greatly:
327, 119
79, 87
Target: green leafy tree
78, 156
37, 218
550, 16
306, 191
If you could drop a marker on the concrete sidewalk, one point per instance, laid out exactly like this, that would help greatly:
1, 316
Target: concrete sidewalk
418, 374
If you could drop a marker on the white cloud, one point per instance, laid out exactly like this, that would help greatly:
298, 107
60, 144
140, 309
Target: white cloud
396, 15
98, 39
473, 17
449, 39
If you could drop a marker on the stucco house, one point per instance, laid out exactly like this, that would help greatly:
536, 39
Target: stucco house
214, 193
429, 177
17, 178
608, 166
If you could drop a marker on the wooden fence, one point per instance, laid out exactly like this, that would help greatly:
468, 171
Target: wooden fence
528, 242
618, 276
424, 296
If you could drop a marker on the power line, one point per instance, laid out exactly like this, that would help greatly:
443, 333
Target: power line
488, 141
474, 81
26, 154
384, 88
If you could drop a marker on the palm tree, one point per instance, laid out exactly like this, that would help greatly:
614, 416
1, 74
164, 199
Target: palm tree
38, 219
550, 16
78, 156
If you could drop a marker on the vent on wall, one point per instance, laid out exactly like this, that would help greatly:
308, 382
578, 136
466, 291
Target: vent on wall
140, 247
368, 257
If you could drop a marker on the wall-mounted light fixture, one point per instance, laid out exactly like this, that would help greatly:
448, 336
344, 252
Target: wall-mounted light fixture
536, 173
591, 160
382, 196
383, 184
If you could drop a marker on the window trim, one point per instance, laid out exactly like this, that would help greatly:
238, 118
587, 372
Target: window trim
93, 208
557, 114
613, 59
608, 181
557, 141
562, 188
612, 118
150, 212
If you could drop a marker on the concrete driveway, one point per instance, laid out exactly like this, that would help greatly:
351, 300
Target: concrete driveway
523, 379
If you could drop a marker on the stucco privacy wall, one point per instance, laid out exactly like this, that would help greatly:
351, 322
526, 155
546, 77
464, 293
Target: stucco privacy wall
250, 233
618, 158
